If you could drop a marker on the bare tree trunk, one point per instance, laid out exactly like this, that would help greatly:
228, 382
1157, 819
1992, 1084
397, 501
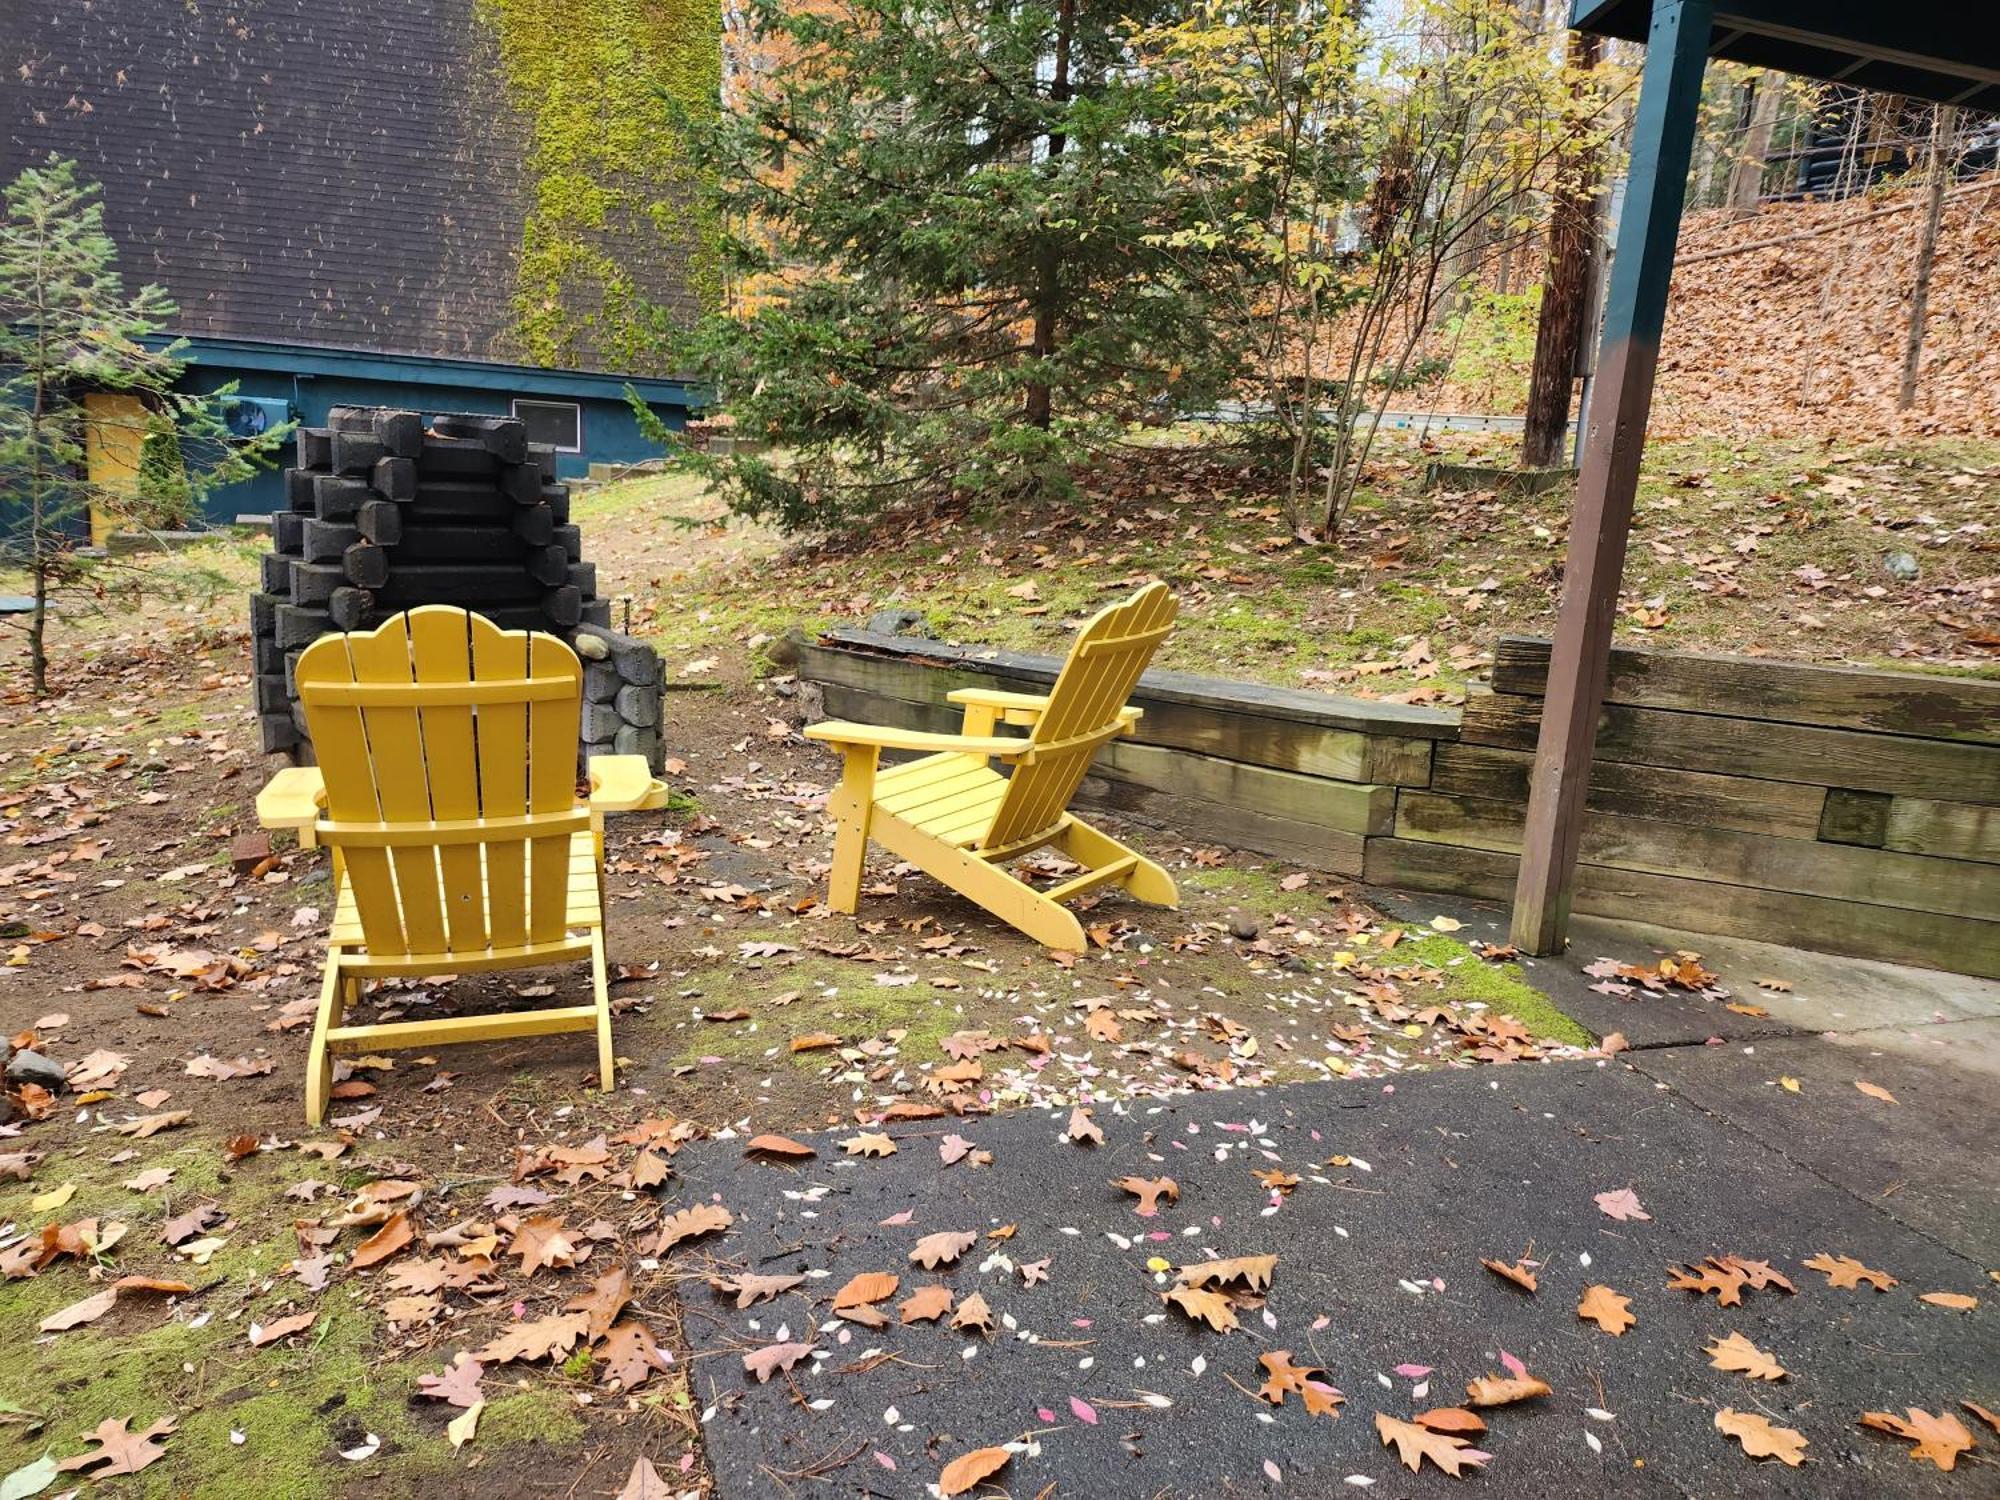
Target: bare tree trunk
1746, 179
1943, 118
1048, 271
1559, 333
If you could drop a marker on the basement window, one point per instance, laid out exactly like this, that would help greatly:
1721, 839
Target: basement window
558, 423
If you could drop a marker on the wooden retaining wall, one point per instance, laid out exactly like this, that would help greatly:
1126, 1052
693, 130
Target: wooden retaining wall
1852, 811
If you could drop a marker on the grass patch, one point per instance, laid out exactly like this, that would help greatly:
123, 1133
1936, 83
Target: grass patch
1500, 986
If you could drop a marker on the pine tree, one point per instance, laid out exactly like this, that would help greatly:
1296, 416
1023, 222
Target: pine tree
68, 328
956, 221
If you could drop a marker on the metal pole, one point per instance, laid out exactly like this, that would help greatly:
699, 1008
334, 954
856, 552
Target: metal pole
1600, 524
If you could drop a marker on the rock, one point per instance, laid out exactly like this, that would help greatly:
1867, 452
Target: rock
895, 622
787, 650
28, 1066
1243, 925
590, 648
1291, 963
1902, 567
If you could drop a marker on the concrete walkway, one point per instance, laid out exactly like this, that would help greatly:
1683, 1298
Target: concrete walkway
1108, 1393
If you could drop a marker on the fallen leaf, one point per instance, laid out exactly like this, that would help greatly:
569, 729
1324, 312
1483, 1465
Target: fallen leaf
1501, 1390
151, 1125
120, 1450
459, 1384
1622, 1204
866, 1289
1451, 1419
630, 1356
1254, 1271
942, 1248
749, 1289
1518, 1273
89, 1310
766, 1362
461, 1428
780, 1146
603, 1303
816, 1041
1414, 1444
1939, 1439
1876, 1091
969, 1469
973, 1315
1846, 1271
1204, 1306
1149, 1191
1736, 1353
386, 1241
1282, 1377
269, 1333
1956, 1301
540, 1338
645, 1483
1990, 1418
1760, 1439
1082, 1128
875, 1144
691, 1223
925, 1305
1607, 1309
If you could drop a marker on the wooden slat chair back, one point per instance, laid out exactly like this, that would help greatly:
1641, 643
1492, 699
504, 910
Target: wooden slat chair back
448, 749
1084, 713
447, 791
957, 818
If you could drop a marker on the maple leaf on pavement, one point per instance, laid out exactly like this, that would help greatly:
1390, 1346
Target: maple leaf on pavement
1414, 1444
459, 1384
1756, 1273
749, 1289
1518, 1273
869, 1144
119, 1450
1727, 1284
1939, 1439
1082, 1128
1149, 1191
1737, 1353
973, 1315
1760, 1439
1622, 1204
1281, 1377
1845, 1271
1204, 1306
942, 1248
926, 1304
1254, 1271
1607, 1309
766, 1362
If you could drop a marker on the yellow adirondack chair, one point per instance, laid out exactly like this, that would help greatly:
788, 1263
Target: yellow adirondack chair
956, 818
446, 789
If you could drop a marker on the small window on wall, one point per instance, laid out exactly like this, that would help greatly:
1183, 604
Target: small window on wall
555, 422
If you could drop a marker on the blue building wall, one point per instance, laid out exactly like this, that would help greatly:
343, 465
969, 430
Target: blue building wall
314, 380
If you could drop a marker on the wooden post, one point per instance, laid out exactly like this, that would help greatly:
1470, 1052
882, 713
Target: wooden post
1635, 311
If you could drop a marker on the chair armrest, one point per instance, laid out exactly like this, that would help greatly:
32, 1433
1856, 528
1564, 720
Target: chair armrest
624, 783
294, 798
1010, 708
884, 737
1128, 719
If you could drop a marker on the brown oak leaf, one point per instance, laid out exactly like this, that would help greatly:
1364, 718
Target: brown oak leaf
749, 1288
603, 1303
1737, 1353
1518, 1273
119, 1450
1501, 1390
1607, 1309
926, 1304
538, 1339
1760, 1439
691, 1223
1845, 1271
386, 1241
542, 1241
1082, 1128
869, 1144
1281, 1377
630, 1356
1254, 1271
1725, 1283
1149, 1191
973, 1315
1939, 1439
942, 1248
1414, 1444
459, 1384
1451, 1419
766, 1362
269, 1333
781, 1147
1204, 1306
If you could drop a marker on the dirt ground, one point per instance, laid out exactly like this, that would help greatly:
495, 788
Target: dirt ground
177, 989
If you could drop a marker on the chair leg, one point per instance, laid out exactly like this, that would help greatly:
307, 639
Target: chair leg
333, 994
1012, 900
601, 988
1094, 848
852, 806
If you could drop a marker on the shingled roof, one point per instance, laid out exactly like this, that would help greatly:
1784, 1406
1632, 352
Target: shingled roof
293, 172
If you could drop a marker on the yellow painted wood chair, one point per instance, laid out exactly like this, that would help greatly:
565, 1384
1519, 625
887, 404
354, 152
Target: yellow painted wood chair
446, 788
953, 816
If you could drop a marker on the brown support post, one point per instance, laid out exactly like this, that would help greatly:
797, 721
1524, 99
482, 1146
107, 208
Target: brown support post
1635, 311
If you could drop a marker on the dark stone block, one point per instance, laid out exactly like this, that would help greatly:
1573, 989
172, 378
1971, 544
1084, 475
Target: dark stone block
324, 542
355, 452
349, 608
301, 627
395, 478
381, 522
288, 532
315, 447
337, 498
276, 570
366, 565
